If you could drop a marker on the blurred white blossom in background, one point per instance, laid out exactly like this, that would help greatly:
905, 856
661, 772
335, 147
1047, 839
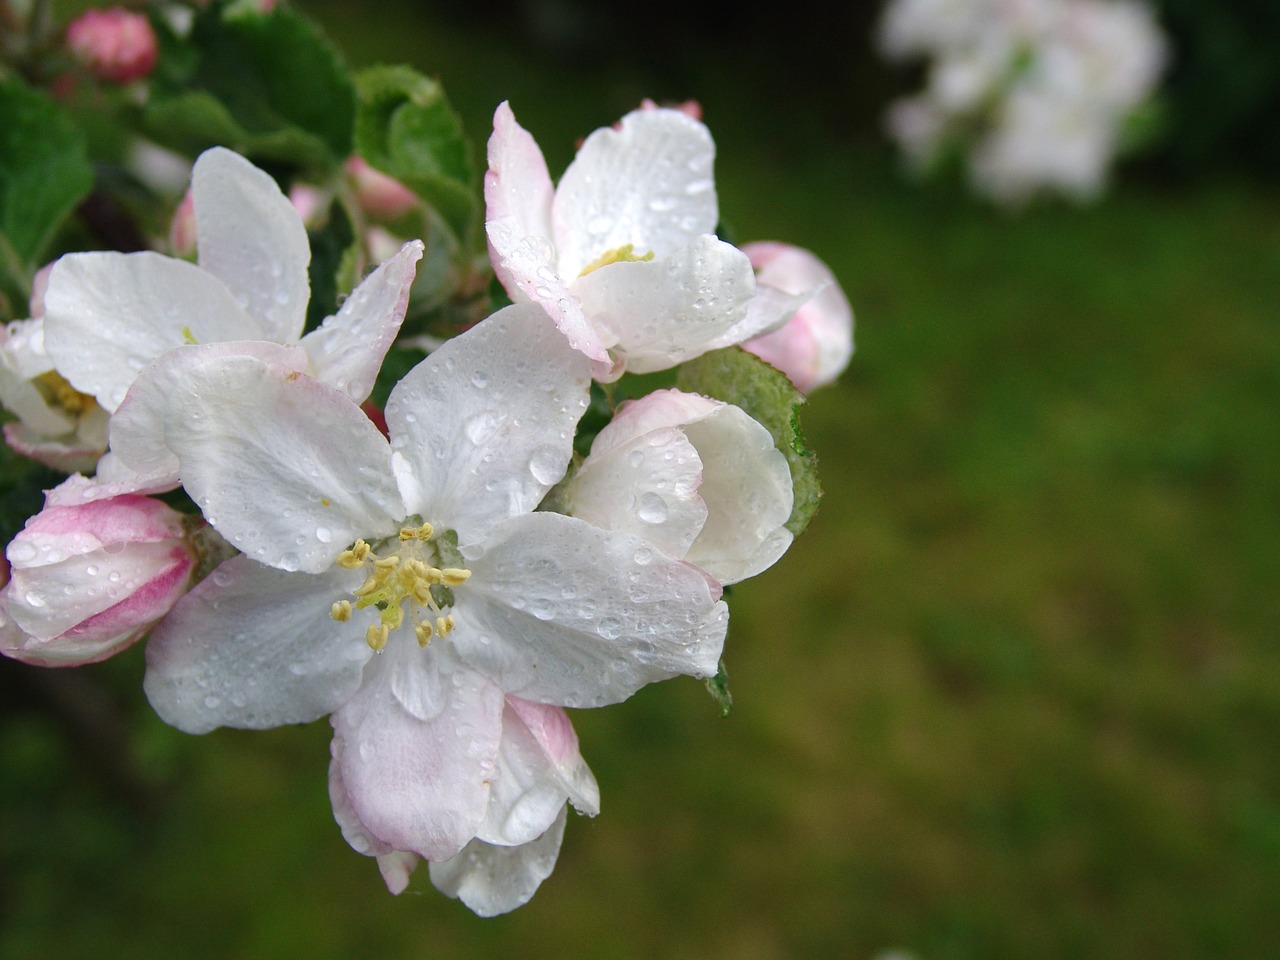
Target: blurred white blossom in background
1033, 95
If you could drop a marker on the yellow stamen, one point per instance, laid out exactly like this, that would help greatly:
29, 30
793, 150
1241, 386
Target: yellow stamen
376, 636
622, 254
341, 611
454, 576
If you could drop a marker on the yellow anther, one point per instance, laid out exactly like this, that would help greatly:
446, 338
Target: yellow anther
454, 576
387, 563
376, 636
350, 559
372, 583
55, 389
341, 611
423, 532
442, 626
421, 592
423, 632
623, 254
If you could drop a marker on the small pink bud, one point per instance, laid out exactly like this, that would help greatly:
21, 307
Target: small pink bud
90, 579
377, 193
182, 231
690, 108
308, 201
116, 45
39, 284
814, 346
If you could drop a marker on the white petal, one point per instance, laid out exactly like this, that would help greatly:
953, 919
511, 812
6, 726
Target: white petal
492, 880
419, 786
137, 426
539, 768
347, 350
517, 186
255, 647
767, 311
113, 479
110, 314
648, 486
648, 183
353, 830
561, 612
483, 427
746, 486
285, 467
250, 236
662, 312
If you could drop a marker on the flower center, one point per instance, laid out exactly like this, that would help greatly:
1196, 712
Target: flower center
623, 254
403, 574
62, 395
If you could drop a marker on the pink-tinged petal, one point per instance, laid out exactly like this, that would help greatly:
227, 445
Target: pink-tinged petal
285, 467
814, 346
659, 313
254, 647
524, 266
769, 310
517, 186
347, 350
137, 426
58, 531
65, 455
110, 314
646, 486
251, 238
539, 767
113, 479
396, 868
493, 880
648, 183
353, 830
419, 785
483, 427
561, 612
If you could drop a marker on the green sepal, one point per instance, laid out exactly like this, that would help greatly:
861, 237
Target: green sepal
268, 85
44, 174
718, 687
743, 379
406, 128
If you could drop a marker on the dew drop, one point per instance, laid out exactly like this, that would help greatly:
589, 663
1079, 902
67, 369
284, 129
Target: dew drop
324, 534
547, 465
20, 551
610, 628
652, 509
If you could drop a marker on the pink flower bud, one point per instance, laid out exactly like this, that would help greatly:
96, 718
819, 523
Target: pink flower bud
378, 193
116, 45
814, 346
90, 579
182, 231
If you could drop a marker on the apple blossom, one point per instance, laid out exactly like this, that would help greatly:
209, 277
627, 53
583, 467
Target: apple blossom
116, 44
426, 549
539, 771
90, 579
110, 314
622, 253
815, 345
699, 479
377, 193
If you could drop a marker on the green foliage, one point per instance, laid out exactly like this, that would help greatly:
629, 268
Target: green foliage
738, 377
44, 174
718, 687
268, 85
406, 128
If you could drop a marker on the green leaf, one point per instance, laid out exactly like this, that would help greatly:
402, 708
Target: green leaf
741, 378
406, 128
44, 174
330, 270
269, 85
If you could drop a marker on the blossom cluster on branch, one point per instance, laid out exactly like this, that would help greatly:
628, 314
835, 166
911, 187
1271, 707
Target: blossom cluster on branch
1032, 96
439, 553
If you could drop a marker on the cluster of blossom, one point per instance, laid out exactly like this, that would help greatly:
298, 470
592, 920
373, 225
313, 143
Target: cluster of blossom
442, 577
1035, 95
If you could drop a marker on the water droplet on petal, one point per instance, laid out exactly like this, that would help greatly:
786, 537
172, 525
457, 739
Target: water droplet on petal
652, 508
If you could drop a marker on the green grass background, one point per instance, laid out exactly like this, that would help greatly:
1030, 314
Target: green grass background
1013, 695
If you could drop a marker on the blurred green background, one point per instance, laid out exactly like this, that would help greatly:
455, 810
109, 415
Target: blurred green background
1015, 694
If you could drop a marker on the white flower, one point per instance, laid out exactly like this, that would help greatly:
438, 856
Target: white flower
622, 254
696, 477
427, 548
110, 314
